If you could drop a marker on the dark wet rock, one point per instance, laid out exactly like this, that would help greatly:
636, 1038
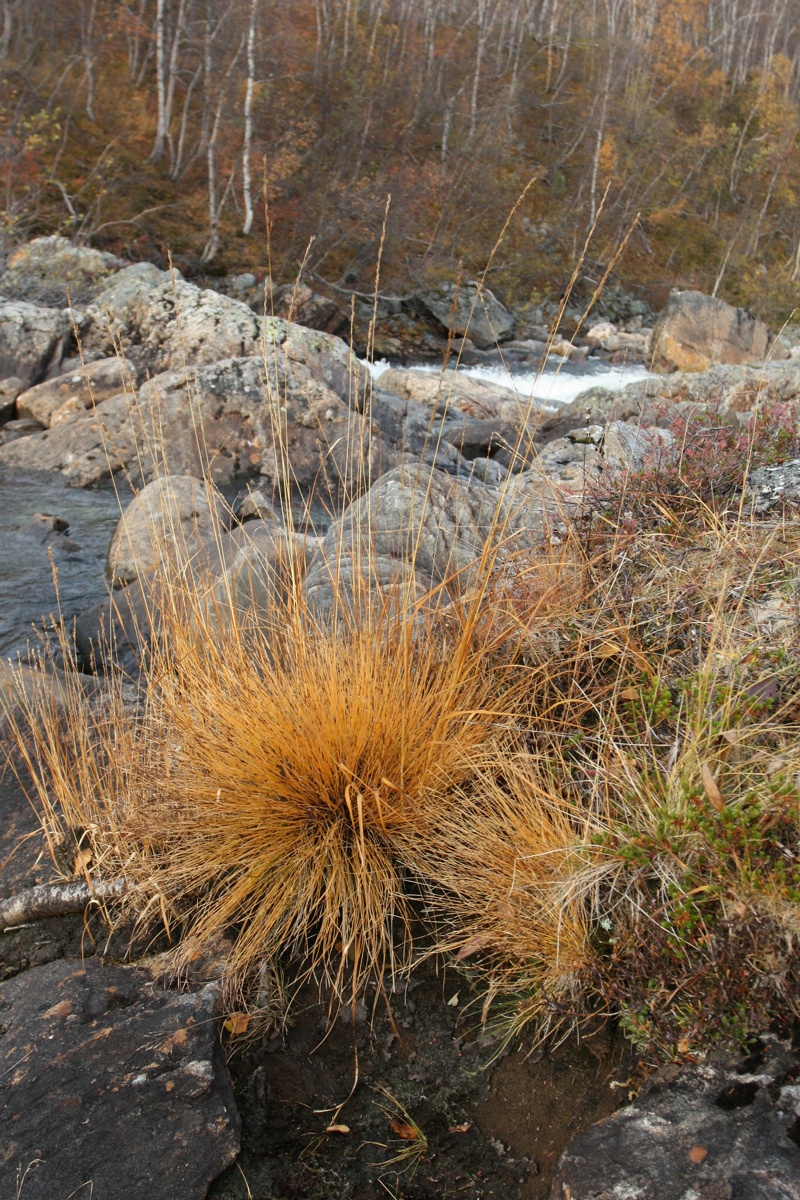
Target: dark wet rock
113, 1084
476, 437
725, 1129
773, 487
296, 302
696, 331
118, 629
90, 384
466, 311
32, 340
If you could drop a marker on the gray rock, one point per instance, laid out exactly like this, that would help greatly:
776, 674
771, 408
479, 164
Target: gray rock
47, 269
90, 384
696, 331
164, 527
44, 529
112, 1082
32, 340
720, 1130
771, 487
10, 388
117, 631
452, 390
12, 431
467, 311
349, 585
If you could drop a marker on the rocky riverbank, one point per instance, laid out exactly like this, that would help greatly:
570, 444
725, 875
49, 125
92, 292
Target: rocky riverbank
255, 455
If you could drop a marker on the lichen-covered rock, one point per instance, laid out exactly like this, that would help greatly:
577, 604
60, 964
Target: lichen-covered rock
772, 487
167, 324
111, 1083
48, 269
725, 1129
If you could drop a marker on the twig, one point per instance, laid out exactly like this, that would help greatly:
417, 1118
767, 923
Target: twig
56, 899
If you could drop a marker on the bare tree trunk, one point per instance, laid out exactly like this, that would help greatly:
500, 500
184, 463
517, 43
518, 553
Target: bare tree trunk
248, 120
87, 38
215, 209
161, 90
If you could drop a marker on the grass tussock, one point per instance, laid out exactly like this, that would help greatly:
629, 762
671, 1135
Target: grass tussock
578, 780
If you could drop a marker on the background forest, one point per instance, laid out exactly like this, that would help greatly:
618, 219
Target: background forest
160, 124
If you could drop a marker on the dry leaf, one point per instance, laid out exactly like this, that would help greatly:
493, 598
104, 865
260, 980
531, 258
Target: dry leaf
237, 1023
479, 942
83, 859
629, 693
710, 788
683, 1046
608, 650
732, 736
698, 1153
338, 1129
463, 1128
407, 1132
453, 1001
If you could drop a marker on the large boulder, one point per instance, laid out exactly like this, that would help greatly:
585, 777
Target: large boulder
167, 324
723, 1128
49, 269
468, 310
111, 1085
87, 385
696, 331
32, 340
165, 525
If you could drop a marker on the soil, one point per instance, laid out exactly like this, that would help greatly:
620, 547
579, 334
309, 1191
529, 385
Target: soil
437, 1109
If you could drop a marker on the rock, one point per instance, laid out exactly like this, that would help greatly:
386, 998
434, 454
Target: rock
262, 571
21, 685
47, 530
12, 431
113, 1082
223, 424
466, 311
92, 384
86, 450
32, 340
349, 585
774, 486
297, 303
476, 438
166, 525
252, 504
627, 447
448, 390
167, 324
10, 388
421, 516
696, 331
719, 1130
116, 632
603, 329
48, 268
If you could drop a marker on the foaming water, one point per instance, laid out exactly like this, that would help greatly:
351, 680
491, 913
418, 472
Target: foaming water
556, 384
